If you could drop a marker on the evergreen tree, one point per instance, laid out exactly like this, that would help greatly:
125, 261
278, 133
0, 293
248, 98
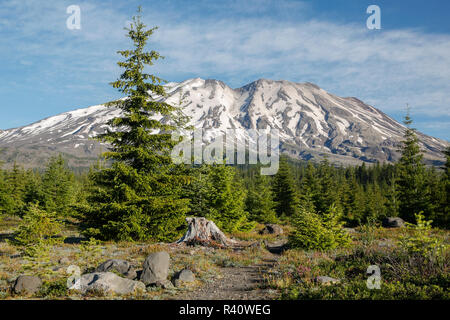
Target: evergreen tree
57, 187
16, 184
443, 212
309, 188
392, 204
33, 188
227, 199
285, 193
318, 232
259, 202
353, 200
6, 200
198, 191
327, 194
411, 181
138, 198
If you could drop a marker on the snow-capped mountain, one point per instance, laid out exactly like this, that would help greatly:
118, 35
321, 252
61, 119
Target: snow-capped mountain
312, 123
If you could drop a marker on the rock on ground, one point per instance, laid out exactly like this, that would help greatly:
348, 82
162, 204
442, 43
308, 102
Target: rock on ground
107, 282
272, 229
393, 222
326, 280
120, 266
184, 276
156, 268
27, 284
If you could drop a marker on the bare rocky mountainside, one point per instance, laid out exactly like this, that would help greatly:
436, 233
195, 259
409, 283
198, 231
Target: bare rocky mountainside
312, 123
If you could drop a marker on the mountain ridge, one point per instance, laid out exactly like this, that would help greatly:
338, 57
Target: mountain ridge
312, 123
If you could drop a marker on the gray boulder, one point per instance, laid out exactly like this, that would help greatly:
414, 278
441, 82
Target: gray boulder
272, 229
107, 282
120, 266
325, 280
155, 268
186, 275
27, 284
392, 222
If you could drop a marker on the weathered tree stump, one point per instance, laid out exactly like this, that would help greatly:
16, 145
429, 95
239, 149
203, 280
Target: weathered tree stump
205, 232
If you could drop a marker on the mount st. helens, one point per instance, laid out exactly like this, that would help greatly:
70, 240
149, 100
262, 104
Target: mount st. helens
312, 123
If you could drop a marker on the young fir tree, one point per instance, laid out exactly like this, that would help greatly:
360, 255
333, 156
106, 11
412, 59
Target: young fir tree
309, 188
33, 188
318, 232
198, 191
16, 183
57, 187
6, 200
443, 212
226, 199
259, 202
138, 197
411, 180
327, 194
285, 193
392, 196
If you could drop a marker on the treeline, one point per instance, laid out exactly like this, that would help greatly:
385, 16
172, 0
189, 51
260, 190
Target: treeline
237, 197
55, 189
363, 193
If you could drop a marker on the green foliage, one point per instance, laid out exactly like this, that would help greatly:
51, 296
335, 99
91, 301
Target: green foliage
368, 233
37, 227
6, 199
226, 199
36, 235
412, 188
90, 253
285, 193
16, 185
138, 198
357, 290
318, 232
54, 289
421, 242
198, 191
404, 276
259, 202
57, 186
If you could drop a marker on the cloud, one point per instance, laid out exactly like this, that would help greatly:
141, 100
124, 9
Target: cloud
236, 42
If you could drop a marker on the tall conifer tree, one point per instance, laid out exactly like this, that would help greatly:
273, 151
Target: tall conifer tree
286, 196
138, 197
259, 202
411, 180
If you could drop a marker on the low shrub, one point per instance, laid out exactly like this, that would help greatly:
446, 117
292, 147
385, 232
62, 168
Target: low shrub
318, 232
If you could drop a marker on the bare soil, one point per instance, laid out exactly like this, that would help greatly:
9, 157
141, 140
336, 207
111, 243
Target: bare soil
236, 283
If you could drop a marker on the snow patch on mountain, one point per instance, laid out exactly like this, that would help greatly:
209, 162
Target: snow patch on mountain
312, 122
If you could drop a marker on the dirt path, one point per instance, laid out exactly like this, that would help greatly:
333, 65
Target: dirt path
236, 283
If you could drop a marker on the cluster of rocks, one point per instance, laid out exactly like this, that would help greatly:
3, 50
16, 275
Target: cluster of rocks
117, 276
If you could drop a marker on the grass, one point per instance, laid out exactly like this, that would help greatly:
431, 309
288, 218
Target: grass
403, 275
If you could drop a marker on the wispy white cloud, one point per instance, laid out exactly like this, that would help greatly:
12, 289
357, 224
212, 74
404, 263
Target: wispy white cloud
386, 68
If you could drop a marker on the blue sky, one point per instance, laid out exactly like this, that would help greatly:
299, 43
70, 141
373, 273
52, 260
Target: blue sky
47, 69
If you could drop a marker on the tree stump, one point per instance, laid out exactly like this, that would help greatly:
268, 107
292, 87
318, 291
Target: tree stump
205, 232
